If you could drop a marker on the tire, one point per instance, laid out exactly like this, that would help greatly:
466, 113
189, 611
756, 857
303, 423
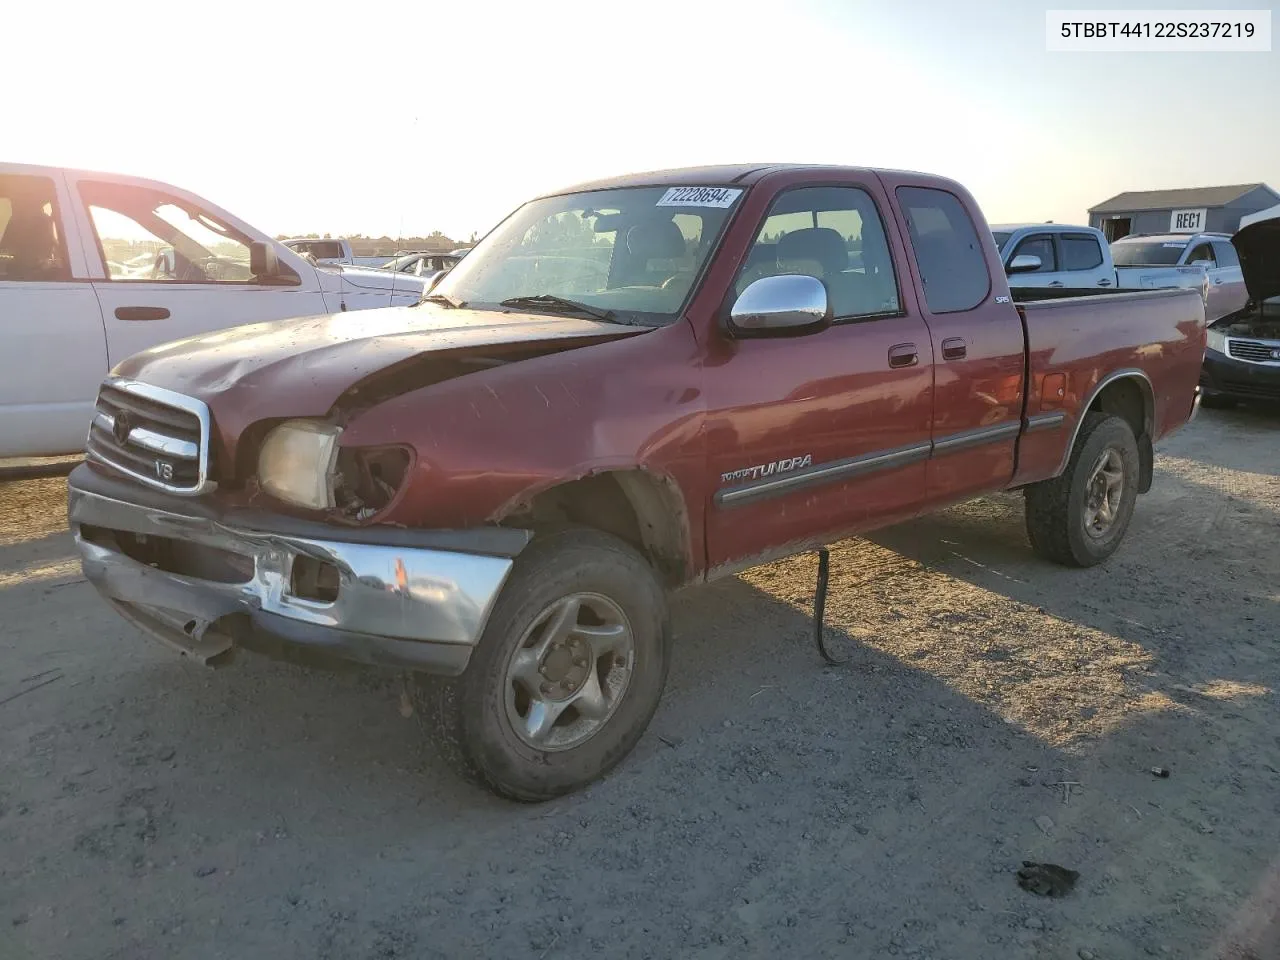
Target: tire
1059, 510
476, 717
1216, 401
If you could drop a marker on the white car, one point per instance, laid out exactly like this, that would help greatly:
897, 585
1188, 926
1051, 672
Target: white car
96, 267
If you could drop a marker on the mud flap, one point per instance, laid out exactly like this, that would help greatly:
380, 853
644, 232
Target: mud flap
1146, 463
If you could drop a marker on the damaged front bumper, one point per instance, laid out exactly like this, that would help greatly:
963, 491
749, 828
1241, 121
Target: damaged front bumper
206, 581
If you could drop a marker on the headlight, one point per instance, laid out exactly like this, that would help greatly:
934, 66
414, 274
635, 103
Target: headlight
296, 463
1216, 340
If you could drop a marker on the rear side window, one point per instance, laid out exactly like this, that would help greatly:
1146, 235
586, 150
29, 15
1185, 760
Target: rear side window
32, 247
1226, 254
1080, 252
948, 254
1042, 247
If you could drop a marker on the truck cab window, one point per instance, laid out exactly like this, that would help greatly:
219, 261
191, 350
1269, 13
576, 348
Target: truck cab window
952, 267
1080, 252
31, 245
1040, 246
834, 234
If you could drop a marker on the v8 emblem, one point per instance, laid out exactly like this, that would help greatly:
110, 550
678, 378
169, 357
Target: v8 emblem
164, 470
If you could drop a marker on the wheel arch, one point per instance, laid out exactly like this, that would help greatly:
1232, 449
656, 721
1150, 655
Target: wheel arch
1127, 394
639, 506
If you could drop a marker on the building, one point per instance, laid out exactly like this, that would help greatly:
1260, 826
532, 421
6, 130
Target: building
1209, 209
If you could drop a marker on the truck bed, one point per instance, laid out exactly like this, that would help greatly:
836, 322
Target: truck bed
1074, 337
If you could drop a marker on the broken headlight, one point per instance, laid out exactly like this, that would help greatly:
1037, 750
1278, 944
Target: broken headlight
368, 479
296, 463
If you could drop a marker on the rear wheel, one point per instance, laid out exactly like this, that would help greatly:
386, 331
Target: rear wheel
567, 674
1080, 517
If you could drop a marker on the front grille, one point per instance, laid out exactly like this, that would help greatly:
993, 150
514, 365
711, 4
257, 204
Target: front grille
1254, 351
156, 436
1261, 391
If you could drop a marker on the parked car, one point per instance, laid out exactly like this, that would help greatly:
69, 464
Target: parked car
1160, 260
95, 267
1242, 359
1057, 255
421, 264
626, 387
331, 250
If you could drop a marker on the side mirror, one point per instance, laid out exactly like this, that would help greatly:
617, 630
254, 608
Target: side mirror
1024, 263
263, 263
783, 306
1202, 263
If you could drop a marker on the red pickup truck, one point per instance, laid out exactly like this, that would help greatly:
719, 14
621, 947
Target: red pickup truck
626, 387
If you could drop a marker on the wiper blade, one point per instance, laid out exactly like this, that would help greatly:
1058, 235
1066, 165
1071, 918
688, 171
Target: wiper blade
443, 298
554, 304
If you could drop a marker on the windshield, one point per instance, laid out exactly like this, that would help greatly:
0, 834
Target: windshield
1147, 253
1002, 237
635, 251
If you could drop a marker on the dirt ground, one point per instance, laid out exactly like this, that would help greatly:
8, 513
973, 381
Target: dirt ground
995, 709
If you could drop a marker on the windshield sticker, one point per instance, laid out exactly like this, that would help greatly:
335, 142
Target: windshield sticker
699, 197
1175, 246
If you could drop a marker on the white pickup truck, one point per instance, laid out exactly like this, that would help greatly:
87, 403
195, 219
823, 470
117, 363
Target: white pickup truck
96, 267
1059, 255
331, 250
1064, 256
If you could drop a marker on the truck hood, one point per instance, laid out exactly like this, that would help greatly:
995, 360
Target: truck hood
1259, 247
301, 367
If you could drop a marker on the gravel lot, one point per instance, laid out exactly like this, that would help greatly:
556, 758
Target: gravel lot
995, 709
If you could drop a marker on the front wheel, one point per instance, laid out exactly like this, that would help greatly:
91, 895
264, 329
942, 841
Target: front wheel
567, 673
1079, 518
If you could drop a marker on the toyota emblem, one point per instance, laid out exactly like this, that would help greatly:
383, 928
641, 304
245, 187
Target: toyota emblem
121, 427
1275, 354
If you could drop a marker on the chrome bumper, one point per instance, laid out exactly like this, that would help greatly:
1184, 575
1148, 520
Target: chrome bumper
398, 606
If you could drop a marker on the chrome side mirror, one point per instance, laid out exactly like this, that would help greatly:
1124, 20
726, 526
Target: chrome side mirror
781, 306
1024, 263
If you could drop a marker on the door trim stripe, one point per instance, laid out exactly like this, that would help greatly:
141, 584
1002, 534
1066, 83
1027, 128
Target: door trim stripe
866, 464
1046, 421
823, 473
976, 438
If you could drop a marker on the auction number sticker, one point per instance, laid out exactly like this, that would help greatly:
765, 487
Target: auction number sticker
699, 197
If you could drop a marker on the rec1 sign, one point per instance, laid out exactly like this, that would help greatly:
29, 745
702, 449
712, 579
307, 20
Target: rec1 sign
1186, 221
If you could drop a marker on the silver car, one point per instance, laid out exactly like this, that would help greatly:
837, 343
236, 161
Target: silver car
1212, 251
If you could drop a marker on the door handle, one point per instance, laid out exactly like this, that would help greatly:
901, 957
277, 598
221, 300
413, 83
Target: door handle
1104, 283
1056, 283
142, 313
954, 348
1217, 283
904, 355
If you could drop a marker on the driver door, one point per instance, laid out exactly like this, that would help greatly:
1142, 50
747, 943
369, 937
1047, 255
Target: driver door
170, 270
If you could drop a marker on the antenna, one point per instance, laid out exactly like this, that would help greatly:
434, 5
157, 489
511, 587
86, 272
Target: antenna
395, 270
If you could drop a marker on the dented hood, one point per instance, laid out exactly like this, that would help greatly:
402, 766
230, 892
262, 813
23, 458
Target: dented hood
301, 367
1259, 247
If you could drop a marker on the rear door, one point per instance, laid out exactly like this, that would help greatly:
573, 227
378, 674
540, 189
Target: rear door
1082, 262
52, 350
1227, 292
814, 436
168, 269
977, 342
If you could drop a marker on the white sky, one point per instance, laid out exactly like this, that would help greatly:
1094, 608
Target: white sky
403, 118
